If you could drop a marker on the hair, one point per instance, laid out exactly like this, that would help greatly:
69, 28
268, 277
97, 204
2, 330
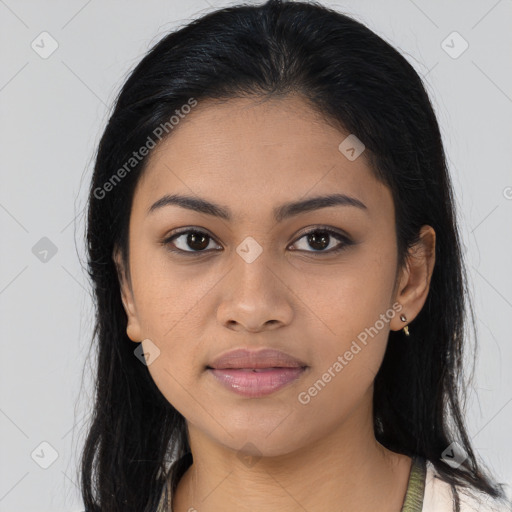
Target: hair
364, 86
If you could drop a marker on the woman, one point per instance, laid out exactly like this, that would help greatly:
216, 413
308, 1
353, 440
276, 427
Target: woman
279, 283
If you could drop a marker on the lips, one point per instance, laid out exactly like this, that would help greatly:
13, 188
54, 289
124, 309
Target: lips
255, 374
255, 360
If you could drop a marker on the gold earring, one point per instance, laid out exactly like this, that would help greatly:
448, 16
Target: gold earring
406, 328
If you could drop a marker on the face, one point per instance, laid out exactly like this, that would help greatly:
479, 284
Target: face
316, 283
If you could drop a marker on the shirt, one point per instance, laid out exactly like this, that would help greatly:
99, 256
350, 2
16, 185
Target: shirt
426, 492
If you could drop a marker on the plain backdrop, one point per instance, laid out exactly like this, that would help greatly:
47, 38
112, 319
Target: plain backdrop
53, 110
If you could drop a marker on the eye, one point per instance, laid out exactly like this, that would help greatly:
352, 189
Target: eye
194, 241
321, 239
191, 241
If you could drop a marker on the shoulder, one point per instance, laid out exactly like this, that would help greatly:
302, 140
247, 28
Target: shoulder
439, 497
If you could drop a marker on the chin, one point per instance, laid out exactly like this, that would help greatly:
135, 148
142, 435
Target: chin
258, 443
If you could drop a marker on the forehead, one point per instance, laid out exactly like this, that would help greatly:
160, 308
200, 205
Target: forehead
253, 154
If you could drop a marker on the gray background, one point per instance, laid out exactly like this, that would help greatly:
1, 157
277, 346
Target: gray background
52, 113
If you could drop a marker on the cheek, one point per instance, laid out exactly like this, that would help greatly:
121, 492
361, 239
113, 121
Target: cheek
346, 365
168, 306
351, 299
168, 296
177, 369
355, 315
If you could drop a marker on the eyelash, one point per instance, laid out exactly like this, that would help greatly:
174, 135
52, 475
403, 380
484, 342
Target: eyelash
345, 241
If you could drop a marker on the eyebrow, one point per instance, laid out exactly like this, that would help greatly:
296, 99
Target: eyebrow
281, 212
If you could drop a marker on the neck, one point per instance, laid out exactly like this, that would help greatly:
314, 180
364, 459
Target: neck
346, 470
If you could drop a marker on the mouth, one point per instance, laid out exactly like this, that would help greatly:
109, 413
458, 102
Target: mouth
256, 373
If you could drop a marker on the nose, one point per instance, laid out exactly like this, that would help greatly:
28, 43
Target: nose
254, 297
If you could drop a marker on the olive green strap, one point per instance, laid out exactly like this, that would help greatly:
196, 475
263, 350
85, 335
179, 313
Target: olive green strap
413, 501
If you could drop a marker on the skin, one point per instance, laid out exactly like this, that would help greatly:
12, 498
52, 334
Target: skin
250, 156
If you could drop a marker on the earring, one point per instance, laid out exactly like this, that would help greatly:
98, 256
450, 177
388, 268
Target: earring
406, 328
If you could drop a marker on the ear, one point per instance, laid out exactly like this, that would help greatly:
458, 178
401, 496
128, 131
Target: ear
133, 328
415, 278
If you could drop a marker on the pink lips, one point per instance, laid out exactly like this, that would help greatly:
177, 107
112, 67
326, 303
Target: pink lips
255, 374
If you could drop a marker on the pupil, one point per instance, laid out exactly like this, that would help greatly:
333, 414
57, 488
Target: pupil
322, 240
199, 238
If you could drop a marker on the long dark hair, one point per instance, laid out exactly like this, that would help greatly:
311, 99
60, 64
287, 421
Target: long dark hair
364, 86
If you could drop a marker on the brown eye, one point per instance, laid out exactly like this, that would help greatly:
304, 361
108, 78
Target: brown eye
320, 239
189, 241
